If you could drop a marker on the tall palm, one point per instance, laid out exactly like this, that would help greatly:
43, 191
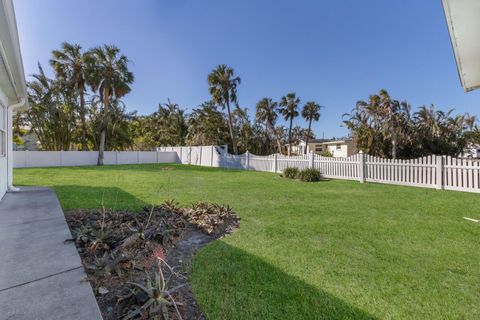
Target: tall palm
108, 74
266, 113
69, 66
389, 109
223, 88
310, 112
288, 108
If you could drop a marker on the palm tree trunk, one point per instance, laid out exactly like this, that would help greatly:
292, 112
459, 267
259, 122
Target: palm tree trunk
290, 137
103, 130
394, 145
308, 135
230, 127
82, 119
268, 143
279, 145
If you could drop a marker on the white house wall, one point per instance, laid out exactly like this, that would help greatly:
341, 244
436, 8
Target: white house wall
343, 152
3, 160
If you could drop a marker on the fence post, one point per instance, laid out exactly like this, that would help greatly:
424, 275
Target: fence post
225, 155
157, 155
275, 166
439, 172
190, 155
116, 157
26, 158
211, 156
61, 158
247, 155
311, 163
138, 157
361, 166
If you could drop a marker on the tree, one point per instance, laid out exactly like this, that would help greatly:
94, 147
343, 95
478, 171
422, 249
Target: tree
288, 107
207, 126
108, 73
69, 66
51, 115
310, 112
389, 109
223, 88
120, 125
266, 113
281, 135
167, 126
18, 128
385, 127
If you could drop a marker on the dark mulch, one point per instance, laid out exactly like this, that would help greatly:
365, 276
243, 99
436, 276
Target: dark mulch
118, 248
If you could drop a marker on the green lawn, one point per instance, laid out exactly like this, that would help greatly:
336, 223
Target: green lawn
328, 250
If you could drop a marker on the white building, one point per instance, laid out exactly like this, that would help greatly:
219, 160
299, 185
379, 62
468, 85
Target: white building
337, 148
12, 90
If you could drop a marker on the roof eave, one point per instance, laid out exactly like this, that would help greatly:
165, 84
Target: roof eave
11, 54
463, 27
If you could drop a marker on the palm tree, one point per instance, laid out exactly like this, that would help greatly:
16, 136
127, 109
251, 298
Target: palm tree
266, 113
288, 108
389, 109
280, 134
108, 74
69, 66
310, 112
223, 88
51, 115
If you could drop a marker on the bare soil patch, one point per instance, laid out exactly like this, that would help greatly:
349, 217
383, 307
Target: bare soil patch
139, 263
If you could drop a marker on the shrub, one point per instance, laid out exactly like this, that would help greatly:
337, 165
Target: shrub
309, 175
290, 172
326, 153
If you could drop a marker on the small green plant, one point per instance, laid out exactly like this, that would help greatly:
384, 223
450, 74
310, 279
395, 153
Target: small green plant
159, 296
326, 153
290, 172
309, 175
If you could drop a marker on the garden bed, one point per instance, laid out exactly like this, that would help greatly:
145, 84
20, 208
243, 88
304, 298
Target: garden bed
138, 263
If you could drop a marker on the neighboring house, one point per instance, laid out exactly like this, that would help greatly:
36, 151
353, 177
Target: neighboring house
472, 151
338, 148
29, 143
12, 90
314, 145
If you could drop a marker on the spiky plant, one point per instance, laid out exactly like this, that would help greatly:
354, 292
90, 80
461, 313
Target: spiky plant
159, 294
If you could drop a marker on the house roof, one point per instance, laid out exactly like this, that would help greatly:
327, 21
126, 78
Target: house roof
319, 140
336, 141
464, 27
12, 76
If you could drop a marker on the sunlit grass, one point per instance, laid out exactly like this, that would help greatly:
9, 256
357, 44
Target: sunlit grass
329, 250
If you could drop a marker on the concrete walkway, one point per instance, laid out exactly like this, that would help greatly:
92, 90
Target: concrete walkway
41, 277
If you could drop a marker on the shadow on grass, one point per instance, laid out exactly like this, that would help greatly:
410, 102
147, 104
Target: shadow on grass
230, 283
149, 167
87, 197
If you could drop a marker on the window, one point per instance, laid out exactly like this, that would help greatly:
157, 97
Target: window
318, 147
339, 147
3, 131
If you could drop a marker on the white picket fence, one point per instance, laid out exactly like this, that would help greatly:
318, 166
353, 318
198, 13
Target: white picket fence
440, 172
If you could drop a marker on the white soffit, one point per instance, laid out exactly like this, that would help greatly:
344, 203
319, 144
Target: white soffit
463, 20
12, 78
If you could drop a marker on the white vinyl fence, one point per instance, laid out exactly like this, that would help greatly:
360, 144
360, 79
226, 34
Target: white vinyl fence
440, 172
28, 159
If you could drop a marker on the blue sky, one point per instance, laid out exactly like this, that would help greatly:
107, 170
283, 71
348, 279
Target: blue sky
332, 52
